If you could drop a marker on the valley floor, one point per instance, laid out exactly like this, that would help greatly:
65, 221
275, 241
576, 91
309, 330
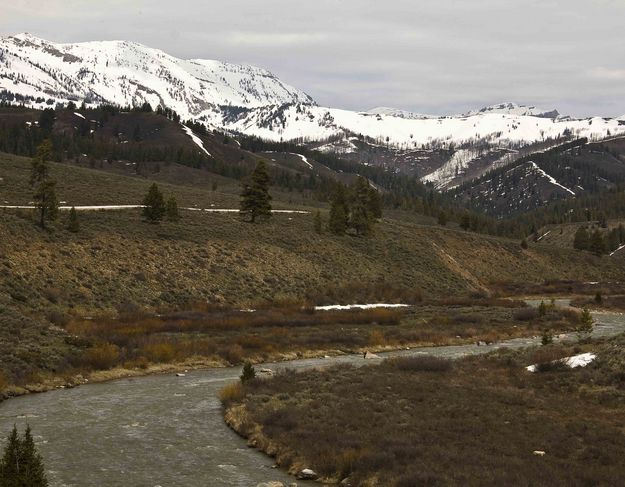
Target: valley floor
427, 421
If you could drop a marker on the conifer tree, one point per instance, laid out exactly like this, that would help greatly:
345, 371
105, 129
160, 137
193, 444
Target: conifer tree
255, 198
248, 372
73, 225
43, 185
359, 218
10, 463
586, 325
172, 210
581, 240
21, 465
374, 204
442, 218
338, 211
154, 205
597, 244
31, 469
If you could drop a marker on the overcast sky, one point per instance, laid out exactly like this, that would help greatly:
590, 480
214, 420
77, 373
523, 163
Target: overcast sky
429, 56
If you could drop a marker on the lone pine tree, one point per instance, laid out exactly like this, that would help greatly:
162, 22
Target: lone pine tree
44, 186
154, 205
21, 465
255, 197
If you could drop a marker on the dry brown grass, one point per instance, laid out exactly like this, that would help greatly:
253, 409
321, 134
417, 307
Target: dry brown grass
232, 393
424, 421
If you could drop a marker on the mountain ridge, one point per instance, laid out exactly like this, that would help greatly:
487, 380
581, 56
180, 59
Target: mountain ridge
252, 101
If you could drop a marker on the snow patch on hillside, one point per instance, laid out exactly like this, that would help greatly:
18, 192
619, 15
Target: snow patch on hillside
550, 178
196, 140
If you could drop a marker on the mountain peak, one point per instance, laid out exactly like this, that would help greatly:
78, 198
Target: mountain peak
511, 108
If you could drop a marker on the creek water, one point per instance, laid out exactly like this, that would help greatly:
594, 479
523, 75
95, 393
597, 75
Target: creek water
169, 431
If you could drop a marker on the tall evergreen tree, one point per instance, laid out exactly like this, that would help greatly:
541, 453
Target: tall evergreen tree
374, 203
597, 244
173, 215
255, 197
43, 185
581, 240
32, 471
154, 205
338, 211
21, 465
359, 217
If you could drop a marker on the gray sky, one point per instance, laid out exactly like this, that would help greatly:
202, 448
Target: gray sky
430, 56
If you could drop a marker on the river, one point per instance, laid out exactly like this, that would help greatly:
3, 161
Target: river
168, 431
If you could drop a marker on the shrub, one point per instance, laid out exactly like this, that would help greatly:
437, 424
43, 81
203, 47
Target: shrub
232, 393
376, 338
4, 381
248, 372
425, 363
101, 356
159, 352
525, 314
233, 354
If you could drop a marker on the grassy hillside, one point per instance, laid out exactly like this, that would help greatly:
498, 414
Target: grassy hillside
119, 264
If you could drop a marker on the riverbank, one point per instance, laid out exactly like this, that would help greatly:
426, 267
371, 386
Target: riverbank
476, 421
284, 335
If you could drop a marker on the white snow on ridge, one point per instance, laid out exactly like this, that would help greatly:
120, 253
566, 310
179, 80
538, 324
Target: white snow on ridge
617, 250
333, 307
550, 178
251, 100
304, 159
196, 139
458, 163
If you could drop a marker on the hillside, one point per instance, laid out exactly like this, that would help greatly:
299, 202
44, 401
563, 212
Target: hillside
220, 258
569, 171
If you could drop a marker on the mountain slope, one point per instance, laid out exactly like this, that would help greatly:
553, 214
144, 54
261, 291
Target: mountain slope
248, 100
129, 74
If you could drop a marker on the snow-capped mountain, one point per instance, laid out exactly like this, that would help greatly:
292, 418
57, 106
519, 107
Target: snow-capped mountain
396, 112
515, 109
251, 100
127, 73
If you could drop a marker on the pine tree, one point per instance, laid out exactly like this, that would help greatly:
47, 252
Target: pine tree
597, 244
10, 463
442, 218
586, 324
172, 210
154, 205
31, 469
73, 225
359, 217
21, 464
542, 309
374, 204
338, 211
43, 185
318, 223
255, 198
248, 372
582, 239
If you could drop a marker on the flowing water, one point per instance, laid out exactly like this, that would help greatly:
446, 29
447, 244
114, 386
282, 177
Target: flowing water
168, 431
